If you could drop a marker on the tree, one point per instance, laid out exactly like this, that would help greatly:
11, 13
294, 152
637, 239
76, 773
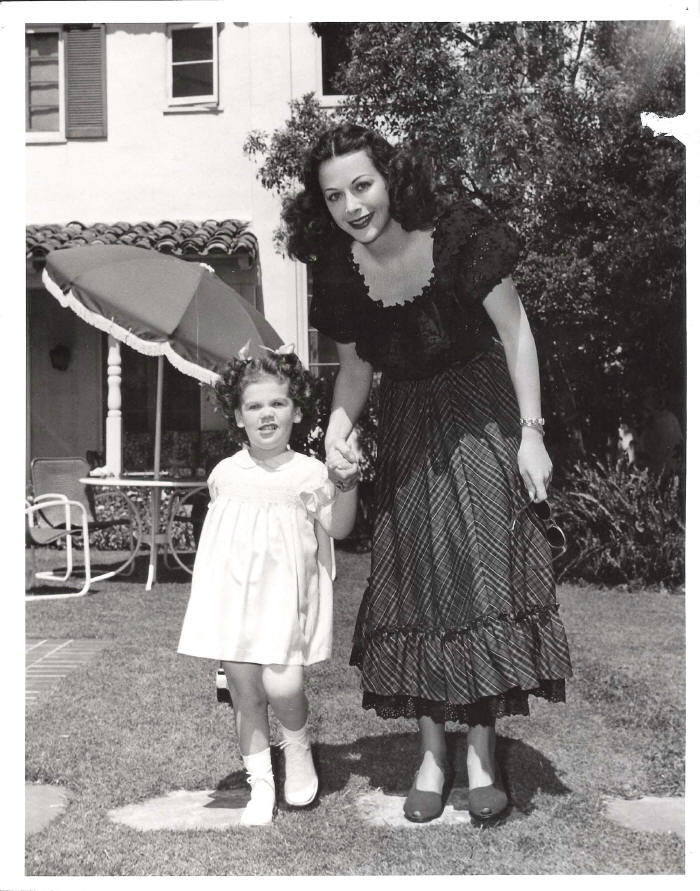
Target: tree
540, 121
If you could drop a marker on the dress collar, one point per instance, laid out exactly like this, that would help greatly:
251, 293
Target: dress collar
244, 459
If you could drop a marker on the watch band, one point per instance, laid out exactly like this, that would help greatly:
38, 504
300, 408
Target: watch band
536, 423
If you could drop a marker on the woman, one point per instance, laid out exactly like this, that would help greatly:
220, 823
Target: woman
460, 620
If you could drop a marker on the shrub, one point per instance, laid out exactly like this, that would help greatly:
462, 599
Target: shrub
623, 525
365, 440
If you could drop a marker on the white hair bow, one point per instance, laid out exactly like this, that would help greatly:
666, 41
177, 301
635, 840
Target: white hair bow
285, 350
244, 352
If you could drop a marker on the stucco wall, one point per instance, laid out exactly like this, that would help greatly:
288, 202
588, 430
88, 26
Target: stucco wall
65, 405
160, 165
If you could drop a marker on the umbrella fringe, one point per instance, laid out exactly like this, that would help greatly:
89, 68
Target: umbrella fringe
191, 368
68, 299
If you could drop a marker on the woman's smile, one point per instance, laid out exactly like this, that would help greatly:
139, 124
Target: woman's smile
363, 222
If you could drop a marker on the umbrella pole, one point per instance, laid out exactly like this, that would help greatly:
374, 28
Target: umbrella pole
155, 491
159, 419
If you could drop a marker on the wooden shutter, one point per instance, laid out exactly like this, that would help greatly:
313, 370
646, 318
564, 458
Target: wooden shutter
86, 82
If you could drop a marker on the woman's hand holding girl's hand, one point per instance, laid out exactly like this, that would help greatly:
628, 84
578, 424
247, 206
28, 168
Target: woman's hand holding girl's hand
534, 464
343, 467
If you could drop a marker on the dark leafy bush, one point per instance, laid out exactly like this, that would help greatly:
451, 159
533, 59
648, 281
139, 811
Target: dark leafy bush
623, 525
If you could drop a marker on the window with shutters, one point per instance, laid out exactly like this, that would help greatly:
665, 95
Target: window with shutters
43, 83
65, 83
193, 77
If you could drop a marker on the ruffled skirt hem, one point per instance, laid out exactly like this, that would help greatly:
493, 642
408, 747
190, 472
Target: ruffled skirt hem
485, 711
502, 659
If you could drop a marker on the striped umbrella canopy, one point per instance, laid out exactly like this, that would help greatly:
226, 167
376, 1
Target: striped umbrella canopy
159, 305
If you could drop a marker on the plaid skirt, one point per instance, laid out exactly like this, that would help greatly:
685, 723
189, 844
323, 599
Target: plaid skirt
460, 618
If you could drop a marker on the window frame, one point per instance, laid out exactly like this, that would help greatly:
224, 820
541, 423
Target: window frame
49, 136
306, 331
328, 101
205, 100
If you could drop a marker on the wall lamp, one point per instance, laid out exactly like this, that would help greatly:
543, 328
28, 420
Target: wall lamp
60, 357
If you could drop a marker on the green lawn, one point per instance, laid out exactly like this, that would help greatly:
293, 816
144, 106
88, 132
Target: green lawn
141, 721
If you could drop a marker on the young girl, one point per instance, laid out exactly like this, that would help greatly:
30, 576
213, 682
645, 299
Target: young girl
261, 600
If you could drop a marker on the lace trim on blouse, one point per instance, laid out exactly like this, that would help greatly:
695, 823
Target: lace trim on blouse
395, 285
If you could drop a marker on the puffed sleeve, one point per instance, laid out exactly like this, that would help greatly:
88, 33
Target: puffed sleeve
319, 498
212, 484
318, 491
475, 250
333, 309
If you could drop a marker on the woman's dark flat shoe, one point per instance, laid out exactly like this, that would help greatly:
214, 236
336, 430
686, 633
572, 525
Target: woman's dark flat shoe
423, 806
488, 804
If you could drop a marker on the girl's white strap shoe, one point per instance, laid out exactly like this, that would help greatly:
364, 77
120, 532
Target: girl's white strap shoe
300, 779
261, 808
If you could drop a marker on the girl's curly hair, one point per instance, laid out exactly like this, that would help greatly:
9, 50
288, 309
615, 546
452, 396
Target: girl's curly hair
303, 391
413, 202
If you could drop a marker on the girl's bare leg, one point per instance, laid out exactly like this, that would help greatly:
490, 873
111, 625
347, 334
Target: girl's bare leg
284, 686
250, 707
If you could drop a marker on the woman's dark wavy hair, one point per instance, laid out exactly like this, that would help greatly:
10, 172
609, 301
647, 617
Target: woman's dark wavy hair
303, 391
409, 175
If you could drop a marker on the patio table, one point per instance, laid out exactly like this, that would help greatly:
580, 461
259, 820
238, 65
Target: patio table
180, 490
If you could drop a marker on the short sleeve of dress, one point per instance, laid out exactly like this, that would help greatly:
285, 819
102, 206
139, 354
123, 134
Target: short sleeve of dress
333, 305
318, 491
475, 249
211, 483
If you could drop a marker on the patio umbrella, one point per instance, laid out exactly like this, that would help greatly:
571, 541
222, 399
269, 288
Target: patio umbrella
159, 305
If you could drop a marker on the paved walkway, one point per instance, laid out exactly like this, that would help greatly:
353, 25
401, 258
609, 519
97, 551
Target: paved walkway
49, 660
42, 804
184, 810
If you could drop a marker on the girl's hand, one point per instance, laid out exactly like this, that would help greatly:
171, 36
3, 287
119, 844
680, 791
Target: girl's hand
343, 468
534, 464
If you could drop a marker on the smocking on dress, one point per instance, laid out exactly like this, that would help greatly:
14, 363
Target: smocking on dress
460, 619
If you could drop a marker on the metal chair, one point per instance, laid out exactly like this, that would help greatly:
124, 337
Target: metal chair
36, 534
62, 507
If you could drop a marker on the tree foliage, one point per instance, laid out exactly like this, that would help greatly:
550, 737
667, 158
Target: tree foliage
540, 122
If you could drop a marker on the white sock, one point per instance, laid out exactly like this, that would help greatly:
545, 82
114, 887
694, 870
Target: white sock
261, 807
301, 781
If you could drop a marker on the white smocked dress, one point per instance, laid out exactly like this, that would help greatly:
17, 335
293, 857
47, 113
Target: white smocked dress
261, 587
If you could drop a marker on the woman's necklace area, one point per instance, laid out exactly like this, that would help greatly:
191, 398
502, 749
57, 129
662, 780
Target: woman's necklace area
400, 278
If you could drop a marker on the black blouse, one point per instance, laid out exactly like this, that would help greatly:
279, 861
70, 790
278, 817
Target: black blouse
446, 324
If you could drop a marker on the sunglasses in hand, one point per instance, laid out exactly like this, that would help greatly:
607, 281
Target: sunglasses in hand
555, 534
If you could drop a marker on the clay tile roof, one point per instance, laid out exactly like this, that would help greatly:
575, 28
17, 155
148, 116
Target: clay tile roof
178, 237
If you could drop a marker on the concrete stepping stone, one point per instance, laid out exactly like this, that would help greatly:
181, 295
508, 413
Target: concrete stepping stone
184, 810
379, 809
648, 814
42, 804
